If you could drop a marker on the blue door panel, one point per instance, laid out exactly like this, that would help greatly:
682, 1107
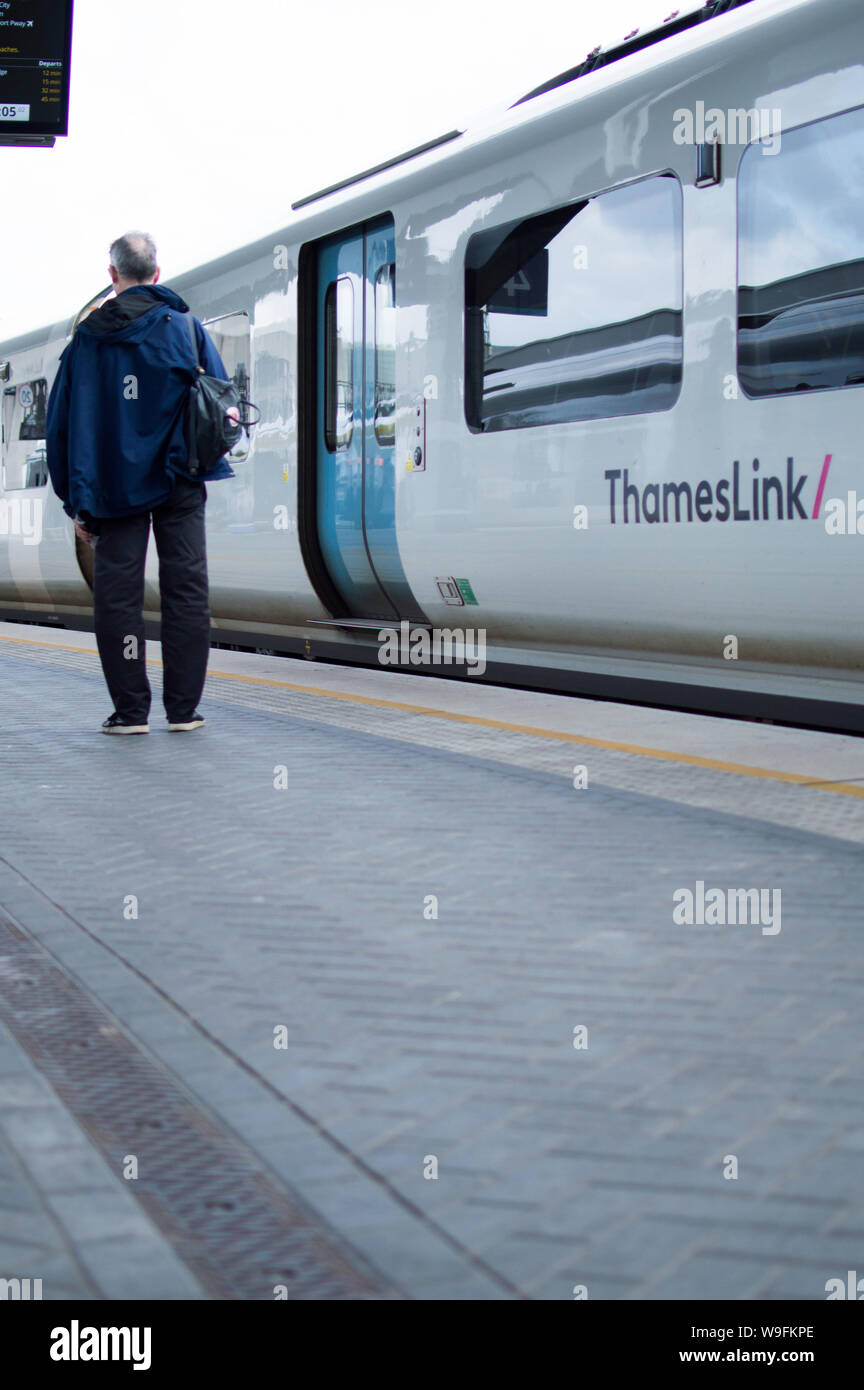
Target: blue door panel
356, 464
380, 471
340, 468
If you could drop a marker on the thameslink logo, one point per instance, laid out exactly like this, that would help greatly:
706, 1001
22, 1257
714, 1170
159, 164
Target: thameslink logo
76, 1343
438, 646
745, 496
733, 906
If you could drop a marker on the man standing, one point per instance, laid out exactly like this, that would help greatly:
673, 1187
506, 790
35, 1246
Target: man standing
117, 457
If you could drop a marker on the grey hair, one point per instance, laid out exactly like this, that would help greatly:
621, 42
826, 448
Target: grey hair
133, 256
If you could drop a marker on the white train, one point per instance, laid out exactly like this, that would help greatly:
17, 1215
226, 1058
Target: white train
587, 378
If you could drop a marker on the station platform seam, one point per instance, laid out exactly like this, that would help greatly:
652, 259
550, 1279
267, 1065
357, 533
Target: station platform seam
556, 735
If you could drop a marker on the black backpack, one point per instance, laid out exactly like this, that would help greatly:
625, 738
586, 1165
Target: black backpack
216, 415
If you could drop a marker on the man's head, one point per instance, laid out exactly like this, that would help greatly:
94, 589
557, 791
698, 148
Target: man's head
133, 261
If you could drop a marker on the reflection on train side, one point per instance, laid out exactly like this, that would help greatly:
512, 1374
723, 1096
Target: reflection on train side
232, 338
801, 259
633, 367
576, 314
803, 333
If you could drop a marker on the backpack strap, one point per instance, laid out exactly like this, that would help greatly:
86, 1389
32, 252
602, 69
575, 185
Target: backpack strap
190, 324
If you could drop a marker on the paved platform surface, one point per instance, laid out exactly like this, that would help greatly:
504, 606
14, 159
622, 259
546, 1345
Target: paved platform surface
342, 938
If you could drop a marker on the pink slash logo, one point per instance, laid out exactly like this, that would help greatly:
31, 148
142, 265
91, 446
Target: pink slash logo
821, 488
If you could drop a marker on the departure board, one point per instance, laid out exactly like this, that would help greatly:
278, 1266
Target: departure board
35, 45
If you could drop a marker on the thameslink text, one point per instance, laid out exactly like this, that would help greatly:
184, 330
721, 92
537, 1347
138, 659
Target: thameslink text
704, 501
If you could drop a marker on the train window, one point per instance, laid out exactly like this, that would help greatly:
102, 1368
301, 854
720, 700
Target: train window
339, 364
23, 435
33, 408
232, 338
96, 303
801, 259
576, 314
385, 355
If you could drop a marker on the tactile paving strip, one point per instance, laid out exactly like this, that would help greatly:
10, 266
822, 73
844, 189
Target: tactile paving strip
238, 1232
797, 806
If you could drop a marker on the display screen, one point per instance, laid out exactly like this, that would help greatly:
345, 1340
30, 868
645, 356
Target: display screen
35, 43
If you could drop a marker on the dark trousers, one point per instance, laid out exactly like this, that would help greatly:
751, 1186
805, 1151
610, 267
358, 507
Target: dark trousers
118, 599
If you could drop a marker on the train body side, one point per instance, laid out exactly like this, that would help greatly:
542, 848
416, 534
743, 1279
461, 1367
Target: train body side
497, 509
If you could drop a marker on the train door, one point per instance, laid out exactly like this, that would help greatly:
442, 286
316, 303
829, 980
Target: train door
355, 425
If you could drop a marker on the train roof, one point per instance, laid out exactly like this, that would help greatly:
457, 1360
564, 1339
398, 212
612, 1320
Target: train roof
348, 199
686, 16
347, 202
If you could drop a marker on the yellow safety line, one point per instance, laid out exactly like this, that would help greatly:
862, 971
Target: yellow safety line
584, 740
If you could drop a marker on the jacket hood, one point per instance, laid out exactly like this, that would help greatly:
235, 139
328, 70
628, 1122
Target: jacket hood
119, 317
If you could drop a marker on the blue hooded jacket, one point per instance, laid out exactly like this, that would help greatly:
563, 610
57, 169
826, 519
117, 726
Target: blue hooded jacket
114, 430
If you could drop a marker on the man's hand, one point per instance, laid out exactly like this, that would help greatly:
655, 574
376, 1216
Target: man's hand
88, 537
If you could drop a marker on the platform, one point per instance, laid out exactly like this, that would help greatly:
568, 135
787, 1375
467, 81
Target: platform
365, 927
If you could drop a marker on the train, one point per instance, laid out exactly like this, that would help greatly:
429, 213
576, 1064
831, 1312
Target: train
584, 379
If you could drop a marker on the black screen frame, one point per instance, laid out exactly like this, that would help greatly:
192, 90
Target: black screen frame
13, 131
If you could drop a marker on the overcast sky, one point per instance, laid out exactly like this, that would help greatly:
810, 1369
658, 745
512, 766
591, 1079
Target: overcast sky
202, 120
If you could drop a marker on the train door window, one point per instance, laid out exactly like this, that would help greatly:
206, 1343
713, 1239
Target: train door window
801, 259
385, 354
576, 314
24, 424
232, 338
339, 364
95, 303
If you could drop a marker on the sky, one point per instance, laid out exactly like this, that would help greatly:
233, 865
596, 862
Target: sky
201, 121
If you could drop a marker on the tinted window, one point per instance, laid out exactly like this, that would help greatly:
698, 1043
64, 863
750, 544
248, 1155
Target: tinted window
232, 338
92, 304
339, 364
24, 410
385, 354
801, 259
33, 405
576, 314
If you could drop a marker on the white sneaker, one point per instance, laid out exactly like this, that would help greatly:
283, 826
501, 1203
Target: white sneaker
115, 725
195, 722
